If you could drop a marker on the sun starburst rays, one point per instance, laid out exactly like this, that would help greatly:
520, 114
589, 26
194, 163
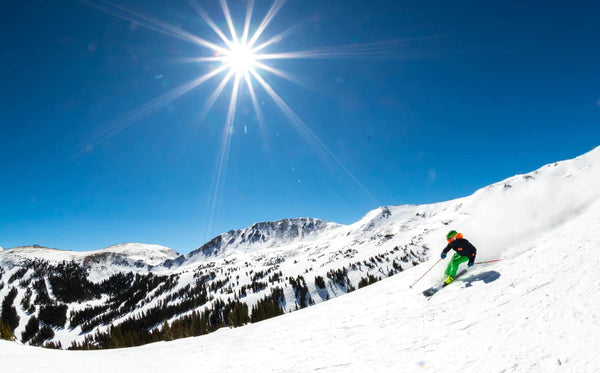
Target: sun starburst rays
243, 59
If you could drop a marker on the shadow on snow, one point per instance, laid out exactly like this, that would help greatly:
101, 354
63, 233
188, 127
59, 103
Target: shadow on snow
486, 277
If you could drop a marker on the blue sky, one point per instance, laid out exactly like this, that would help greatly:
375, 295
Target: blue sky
453, 96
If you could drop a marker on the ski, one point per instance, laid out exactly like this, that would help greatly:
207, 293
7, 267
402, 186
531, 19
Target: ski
434, 289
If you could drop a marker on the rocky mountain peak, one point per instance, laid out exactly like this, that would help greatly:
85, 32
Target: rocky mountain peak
265, 234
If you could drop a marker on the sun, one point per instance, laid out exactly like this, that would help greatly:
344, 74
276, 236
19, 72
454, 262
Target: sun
240, 59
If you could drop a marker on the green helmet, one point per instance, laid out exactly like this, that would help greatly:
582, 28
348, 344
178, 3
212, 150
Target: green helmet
451, 234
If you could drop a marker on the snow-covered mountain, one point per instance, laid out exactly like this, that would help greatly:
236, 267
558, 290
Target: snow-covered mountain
99, 263
149, 255
310, 261
260, 236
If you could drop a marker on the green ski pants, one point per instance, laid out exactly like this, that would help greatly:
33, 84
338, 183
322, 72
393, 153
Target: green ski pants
454, 263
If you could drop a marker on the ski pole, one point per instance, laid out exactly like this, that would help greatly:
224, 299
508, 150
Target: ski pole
439, 260
489, 261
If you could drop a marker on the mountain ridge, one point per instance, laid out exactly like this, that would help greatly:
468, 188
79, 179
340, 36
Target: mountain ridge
148, 254
259, 232
271, 233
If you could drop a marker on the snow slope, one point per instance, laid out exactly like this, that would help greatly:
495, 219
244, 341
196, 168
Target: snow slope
536, 311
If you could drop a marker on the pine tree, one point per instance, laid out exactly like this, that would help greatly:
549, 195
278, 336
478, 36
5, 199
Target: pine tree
32, 327
239, 315
128, 339
167, 335
9, 312
5, 331
319, 282
116, 338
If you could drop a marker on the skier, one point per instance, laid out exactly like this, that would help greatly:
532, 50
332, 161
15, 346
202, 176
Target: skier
465, 251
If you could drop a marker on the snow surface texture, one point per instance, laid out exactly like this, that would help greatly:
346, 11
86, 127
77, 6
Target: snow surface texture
535, 311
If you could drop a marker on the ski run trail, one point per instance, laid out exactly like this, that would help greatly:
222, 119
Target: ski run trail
537, 310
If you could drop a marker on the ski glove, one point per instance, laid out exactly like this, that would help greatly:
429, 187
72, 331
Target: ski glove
443, 255
470, 264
